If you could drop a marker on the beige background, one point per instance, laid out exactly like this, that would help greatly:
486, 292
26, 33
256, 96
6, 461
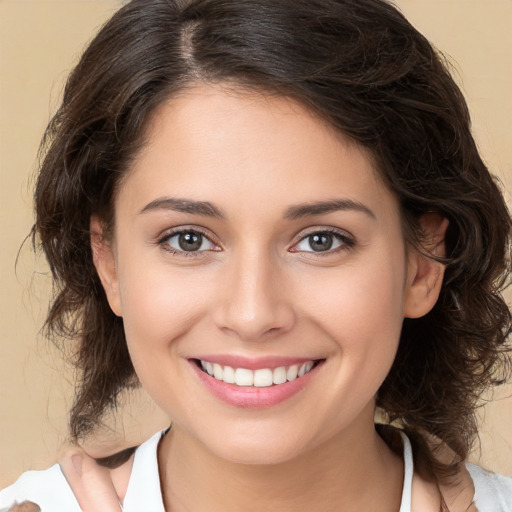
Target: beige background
40, 40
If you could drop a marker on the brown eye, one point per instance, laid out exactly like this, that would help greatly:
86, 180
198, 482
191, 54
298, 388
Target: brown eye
320, 242
323, 241
187, 241
190, 241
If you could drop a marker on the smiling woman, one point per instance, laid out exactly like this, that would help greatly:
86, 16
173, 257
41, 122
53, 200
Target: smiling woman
273, 216
279, 279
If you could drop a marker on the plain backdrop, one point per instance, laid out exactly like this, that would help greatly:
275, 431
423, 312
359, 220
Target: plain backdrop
40, 41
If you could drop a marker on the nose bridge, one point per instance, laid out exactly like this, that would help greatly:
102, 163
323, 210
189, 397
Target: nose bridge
255, 302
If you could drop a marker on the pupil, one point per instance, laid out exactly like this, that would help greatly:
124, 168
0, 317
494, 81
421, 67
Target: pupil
320, 242
190, 241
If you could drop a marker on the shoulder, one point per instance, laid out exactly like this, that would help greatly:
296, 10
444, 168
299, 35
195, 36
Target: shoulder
493, 492
48, 488
51, 491
144, 492
490, 492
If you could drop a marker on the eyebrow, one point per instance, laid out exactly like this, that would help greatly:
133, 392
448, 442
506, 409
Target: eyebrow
185, 206
294, 212
324, 207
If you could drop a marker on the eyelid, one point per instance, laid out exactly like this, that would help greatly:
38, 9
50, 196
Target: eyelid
166, 235
347, 239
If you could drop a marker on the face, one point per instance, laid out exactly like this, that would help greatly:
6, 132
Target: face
254, 243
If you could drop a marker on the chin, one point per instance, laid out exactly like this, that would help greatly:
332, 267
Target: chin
257, 449
257, 456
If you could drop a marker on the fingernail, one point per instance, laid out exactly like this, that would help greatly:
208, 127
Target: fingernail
76, 460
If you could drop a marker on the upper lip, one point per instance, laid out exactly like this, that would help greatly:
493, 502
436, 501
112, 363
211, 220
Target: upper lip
254, 363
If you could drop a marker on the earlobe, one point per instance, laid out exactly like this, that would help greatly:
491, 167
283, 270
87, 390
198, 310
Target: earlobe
105, 263
424, 273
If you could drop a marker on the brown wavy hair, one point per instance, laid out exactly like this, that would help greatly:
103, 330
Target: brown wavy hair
363, 68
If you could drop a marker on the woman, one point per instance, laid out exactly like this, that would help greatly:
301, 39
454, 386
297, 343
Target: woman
272, 214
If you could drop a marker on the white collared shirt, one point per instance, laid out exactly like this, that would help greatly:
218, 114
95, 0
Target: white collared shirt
50, 490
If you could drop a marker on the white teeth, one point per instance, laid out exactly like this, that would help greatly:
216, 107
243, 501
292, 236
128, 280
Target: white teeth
263, 377
217, 371
305, 368
291, 373
229, 375
244, 377
279, 375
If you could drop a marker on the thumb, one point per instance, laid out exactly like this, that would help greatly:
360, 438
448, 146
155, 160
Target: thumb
91, 483
26, 506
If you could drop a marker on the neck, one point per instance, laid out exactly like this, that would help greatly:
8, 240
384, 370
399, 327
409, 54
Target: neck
355, 470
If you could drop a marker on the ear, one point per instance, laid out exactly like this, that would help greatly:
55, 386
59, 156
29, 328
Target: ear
105, 262
424, 274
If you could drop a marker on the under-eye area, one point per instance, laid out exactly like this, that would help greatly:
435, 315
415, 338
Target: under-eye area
262, 377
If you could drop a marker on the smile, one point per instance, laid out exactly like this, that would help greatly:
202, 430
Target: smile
266, 383
263, 377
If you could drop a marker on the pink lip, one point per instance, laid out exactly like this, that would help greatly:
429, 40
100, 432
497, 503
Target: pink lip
253, 397
255, 363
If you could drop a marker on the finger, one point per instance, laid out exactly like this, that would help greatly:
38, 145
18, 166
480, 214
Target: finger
91, 484
26, 506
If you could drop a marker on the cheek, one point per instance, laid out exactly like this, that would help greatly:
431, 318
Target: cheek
359, 298
159, 306
360, 308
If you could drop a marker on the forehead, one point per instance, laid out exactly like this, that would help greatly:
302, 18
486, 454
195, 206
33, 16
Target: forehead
248, 150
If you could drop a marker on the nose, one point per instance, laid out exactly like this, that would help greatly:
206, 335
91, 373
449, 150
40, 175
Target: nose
254, 305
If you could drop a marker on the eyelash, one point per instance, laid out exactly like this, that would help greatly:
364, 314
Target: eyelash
164, 242
347, 242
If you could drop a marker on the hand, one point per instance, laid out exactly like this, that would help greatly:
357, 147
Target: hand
96, 488
26, 506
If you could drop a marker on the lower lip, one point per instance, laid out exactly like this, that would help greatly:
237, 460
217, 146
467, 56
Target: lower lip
254, 397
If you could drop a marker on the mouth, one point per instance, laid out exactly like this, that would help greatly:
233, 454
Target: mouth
259, 378
255, 383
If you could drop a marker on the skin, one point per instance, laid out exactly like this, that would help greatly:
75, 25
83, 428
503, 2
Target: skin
256, 288
26, 506
96, 488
